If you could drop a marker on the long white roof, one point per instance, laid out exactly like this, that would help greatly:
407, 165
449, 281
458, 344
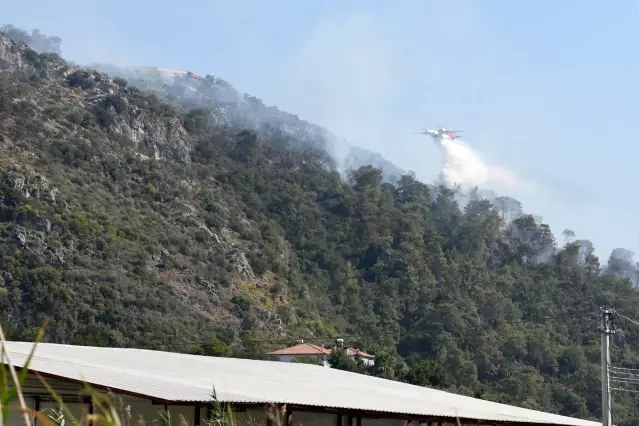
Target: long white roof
179, 377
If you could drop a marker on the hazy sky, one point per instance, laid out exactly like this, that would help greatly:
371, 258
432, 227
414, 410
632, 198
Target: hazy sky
544, 89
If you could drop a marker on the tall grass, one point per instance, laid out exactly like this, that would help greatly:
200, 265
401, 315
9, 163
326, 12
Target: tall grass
109, 409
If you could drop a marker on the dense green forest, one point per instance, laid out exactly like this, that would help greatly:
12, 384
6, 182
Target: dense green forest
126, 221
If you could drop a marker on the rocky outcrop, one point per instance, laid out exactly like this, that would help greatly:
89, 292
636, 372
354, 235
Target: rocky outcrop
12, 54
124, 112
34, 242
160, 138
29, 186
241, 264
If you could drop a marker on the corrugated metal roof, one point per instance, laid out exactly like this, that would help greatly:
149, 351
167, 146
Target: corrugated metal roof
179, 377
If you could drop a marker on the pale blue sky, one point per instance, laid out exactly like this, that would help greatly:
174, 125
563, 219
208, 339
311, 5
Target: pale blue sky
544, 88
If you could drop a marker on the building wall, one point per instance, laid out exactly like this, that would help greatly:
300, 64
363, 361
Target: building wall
133, 408
368, 361
301, 418
74, 396
251, 417
290, 358
15, 417
382, 422
136, 408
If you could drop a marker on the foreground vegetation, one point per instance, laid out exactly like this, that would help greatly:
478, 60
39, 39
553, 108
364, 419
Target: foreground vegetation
129, 222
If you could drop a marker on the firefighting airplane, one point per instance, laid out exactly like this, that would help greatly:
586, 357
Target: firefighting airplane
441, 132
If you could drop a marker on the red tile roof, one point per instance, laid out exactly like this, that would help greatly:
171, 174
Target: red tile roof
302, 349
310, 349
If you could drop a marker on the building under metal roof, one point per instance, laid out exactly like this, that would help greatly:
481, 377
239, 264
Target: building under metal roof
173, 378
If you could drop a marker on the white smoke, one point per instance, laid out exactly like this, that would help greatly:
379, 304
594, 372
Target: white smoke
341, 77
463, 166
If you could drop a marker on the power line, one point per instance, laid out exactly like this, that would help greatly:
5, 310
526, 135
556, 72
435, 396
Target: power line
625, 390
626, 318
623, 368
625, 379
627, 371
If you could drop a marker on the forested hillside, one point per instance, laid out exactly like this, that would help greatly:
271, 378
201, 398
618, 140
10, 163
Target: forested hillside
129, 222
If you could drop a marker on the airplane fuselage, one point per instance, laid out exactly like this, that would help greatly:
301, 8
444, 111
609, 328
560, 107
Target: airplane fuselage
441, 133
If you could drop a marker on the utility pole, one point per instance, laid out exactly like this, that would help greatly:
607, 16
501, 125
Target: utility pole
606, 328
